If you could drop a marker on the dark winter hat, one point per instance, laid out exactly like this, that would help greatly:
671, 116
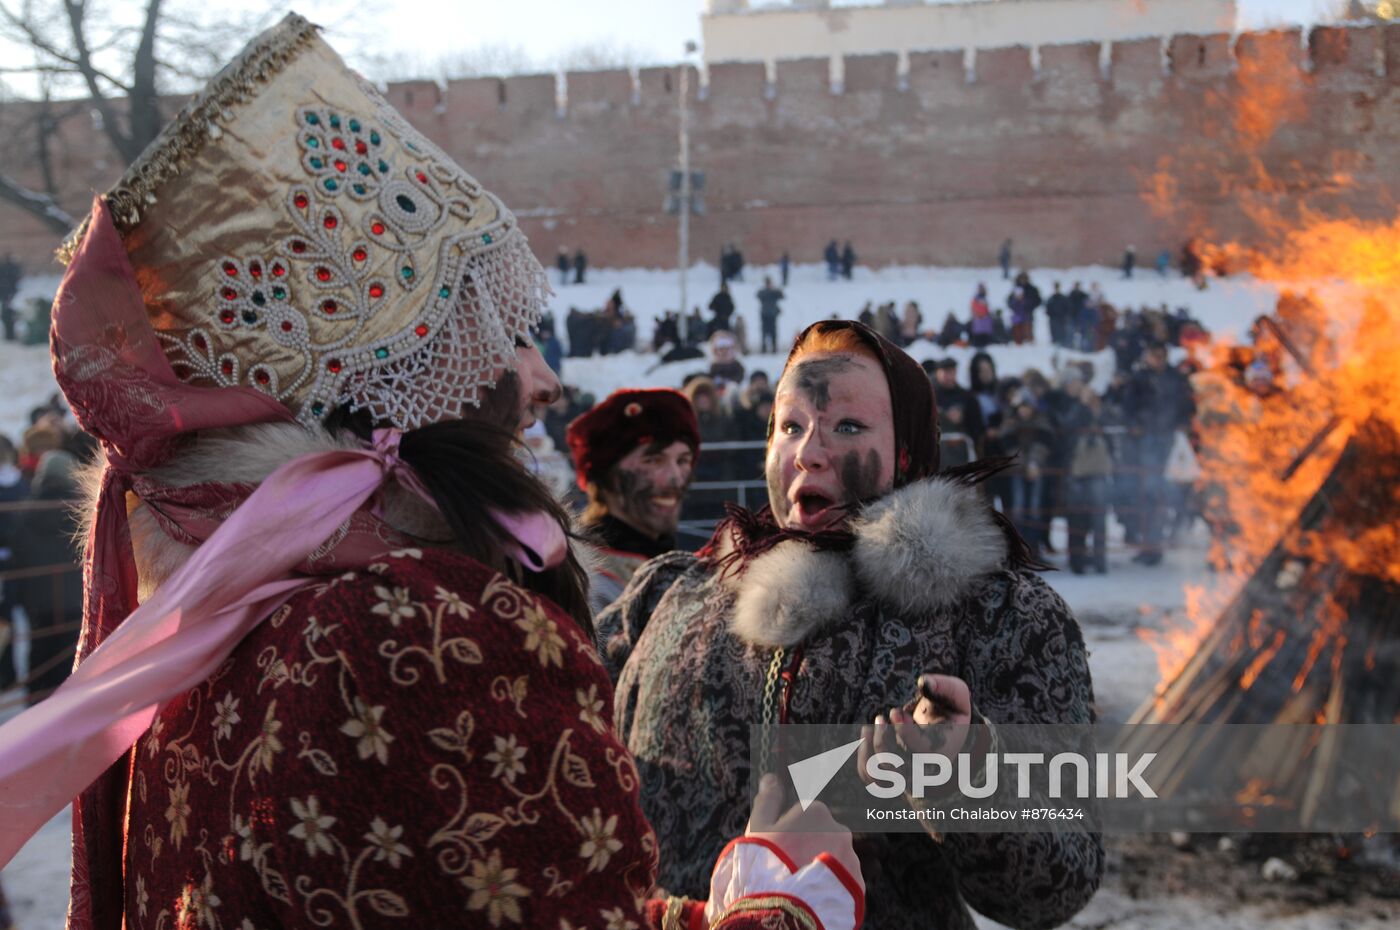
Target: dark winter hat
911, 397
603, 436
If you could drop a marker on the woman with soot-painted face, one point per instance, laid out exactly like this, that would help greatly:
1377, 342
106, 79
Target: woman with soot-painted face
869, 577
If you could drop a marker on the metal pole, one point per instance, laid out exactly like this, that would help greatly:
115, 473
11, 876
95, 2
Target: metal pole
683, 243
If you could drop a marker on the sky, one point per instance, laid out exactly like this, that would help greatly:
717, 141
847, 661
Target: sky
396, 40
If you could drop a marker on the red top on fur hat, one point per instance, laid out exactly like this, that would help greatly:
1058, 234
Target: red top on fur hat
603, 436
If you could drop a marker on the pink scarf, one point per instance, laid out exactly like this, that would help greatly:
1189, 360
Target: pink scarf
132, 659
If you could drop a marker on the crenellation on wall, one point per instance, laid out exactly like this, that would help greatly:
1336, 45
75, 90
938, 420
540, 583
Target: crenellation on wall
871, 73
934, 163
531, 95
1354, 55
1005, 67
730, 79
598, 91
1138, 66
1277, 48
1200, 57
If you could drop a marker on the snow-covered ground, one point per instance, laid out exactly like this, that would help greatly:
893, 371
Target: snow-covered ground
1113, 609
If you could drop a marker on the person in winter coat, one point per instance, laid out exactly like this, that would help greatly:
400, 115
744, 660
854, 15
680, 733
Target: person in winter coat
337, 667
562, 263
14, 488
866, 570
722, 306
832, 256
1157, 404
768, 312
981, 327
634, 455
53, 601
1059, 311
1090, 481
848, 260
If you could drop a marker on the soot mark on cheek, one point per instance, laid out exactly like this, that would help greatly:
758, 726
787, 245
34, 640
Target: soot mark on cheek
776, 498
633, 488
861, 475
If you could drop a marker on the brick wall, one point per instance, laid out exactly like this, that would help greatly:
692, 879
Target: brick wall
1054, 150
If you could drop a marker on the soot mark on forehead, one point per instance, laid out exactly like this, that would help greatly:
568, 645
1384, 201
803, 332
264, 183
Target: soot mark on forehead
813, 377
861, 475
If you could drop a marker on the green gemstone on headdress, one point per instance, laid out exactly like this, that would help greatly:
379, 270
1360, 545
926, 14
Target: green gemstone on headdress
316, 409
258, 298
335, 121
383, 166
364, 168
314, 142
279, 293
358, 188
249, 317
486, 238
313, 119
316, 162
330, 184
406, 203
354, 125
374, 137
381, 353
407, 273
445, 292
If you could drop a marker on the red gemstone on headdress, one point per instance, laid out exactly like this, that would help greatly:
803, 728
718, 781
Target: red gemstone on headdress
376, 291
377, 229
226, 367
298, 246
227, 316
286, 326
359, 255
361, 148
333, 366
422, 178
231, 269
263, 377
633, 409
229, 293
330, 306
340, 166
300, 201
278, 271
323, 273
338, 143
421, 330
255, 269
330, 221
199, 342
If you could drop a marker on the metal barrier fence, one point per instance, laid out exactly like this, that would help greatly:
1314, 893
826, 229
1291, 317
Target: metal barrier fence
24, 630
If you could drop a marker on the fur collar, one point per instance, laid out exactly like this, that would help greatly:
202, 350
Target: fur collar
918, 549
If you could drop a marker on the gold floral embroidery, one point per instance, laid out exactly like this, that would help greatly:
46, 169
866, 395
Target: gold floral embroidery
495, 890
312, 826
599, 842
393, 603
153, 741
513, 690
197, 903
267, 743
244, 830
385, 840
178, 813
592, 712
454, 603
616, 919
366, 727
225, 716
542, 635
143, 899
508, 757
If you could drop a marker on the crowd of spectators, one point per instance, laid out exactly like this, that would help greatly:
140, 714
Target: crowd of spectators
41, 586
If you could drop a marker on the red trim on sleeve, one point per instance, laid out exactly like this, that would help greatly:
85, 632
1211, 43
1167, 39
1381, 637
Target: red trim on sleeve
777, 850
847, 879
695, 919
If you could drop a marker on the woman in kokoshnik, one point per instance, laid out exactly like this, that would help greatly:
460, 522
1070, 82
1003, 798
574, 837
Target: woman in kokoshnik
337, 666
867, 572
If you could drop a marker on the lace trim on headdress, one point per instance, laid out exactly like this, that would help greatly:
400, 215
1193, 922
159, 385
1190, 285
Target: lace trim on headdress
198, 123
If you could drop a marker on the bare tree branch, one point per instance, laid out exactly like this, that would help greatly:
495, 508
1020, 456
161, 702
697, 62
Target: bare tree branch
121, 141
145, 103
38, 205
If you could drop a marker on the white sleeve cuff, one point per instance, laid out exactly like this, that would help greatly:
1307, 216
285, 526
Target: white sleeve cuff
752, 865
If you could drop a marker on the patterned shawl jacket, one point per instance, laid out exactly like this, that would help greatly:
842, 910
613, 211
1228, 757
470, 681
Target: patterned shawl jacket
925, 589
421, 743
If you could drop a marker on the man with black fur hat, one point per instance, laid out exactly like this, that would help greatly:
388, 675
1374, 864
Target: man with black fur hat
635, 456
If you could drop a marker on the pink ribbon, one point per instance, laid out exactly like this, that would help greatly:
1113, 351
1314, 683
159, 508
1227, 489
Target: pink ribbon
242, 573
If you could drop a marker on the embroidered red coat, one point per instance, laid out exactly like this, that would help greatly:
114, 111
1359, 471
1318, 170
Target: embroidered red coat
420, 744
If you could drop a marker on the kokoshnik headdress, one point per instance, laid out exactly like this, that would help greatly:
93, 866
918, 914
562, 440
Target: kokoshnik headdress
289, 245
